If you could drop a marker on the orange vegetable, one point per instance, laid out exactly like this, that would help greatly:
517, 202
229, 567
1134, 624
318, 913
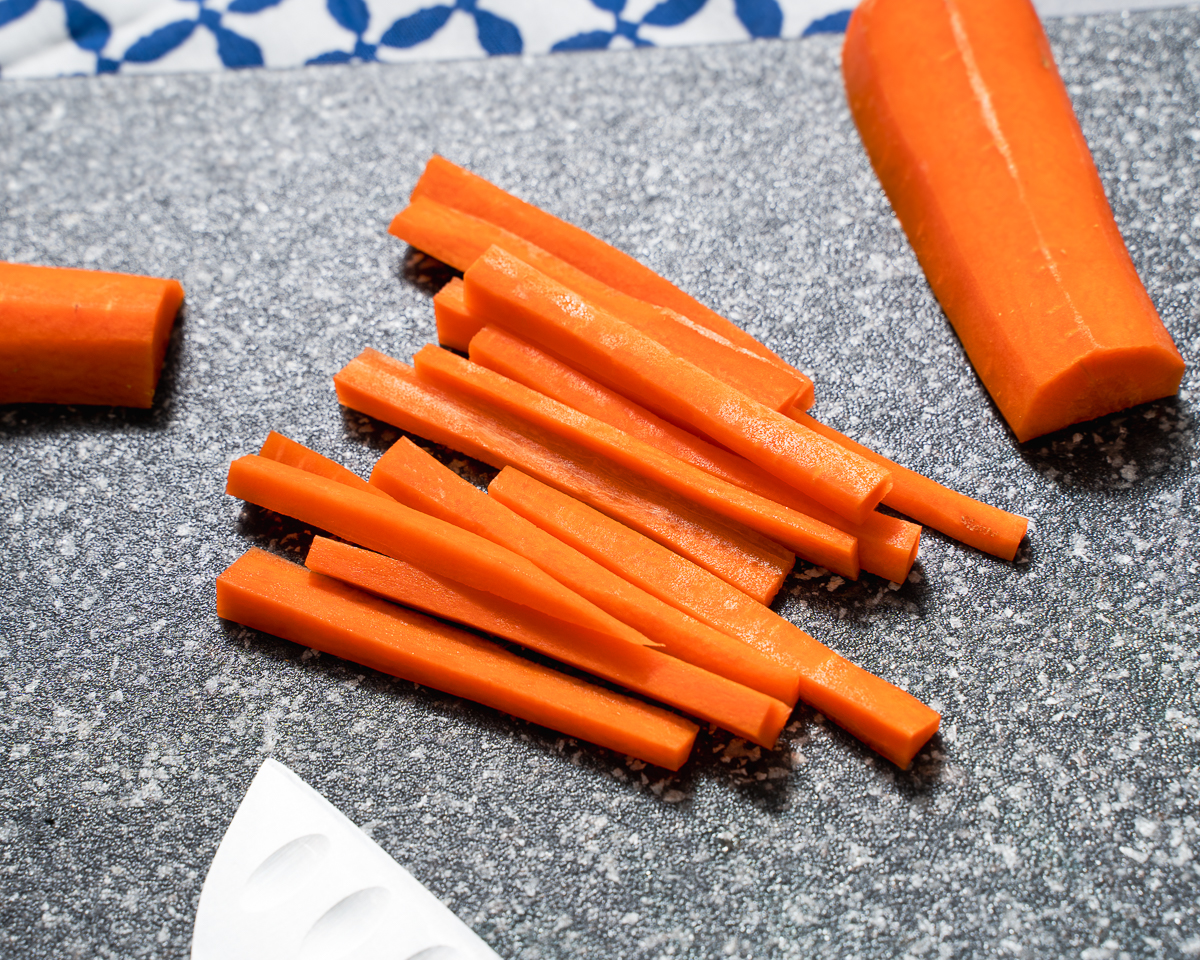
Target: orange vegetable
82, 336
970, 129
406, 534
452, 186
389, 390
740, 710
455, 326
881, 715
887, 546
279, 448
976, 524
459, 239
513, 295
416, 479
816, 542
269, 594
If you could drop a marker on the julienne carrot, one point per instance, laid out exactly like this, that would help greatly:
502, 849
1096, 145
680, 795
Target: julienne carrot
887, 546
390, 391
267, 593
460, 239
279, 448
455, 326
970, 130
816, 542
881, 715
976, 524
82, 336
388, 527
741, 711
452, 186
416, 479
513, 295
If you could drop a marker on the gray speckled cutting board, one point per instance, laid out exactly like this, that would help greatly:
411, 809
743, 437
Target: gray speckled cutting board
1054, 816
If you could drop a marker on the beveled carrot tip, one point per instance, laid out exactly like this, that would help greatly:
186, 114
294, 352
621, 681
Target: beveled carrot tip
902, 751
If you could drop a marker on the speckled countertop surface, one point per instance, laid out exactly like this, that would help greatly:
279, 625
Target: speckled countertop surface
1055, 815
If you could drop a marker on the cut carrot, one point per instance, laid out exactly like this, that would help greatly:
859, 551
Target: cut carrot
970, 129
279, 448
406, 534
448, 184
390, 391
459, 239
738, 709
416, 479
82, 336
269, 594
513, 295
887, 546
976, 524
881, 715
455, 326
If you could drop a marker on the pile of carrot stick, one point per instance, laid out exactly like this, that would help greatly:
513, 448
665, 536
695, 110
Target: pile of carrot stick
658, 478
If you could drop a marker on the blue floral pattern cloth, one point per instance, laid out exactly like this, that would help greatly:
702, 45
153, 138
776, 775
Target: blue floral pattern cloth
57, 37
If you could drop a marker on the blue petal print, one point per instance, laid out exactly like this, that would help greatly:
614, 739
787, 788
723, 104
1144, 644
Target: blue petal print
671, 13
595, 40
416, 28
161, 42
351, 14
834, 23
612, 6
87, 28
334, 56
251, 6
11, 9
497, 35
235, 50
762, 18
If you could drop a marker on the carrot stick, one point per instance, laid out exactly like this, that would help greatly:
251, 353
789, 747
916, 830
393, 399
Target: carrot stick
513, 295
406, 534
884, 717
459, 239
976, 524
417, 480
82, 336
390, 391
970, 129
279, 448
448, 184
269, 594
887, 546
455, 327
816, 542
738, 709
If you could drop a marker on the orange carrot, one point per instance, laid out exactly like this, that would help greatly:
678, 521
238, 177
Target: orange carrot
445, 183
887, 546
455, 326
740, 710
881, 715
417, 480
513, 295
82, 336
816, 542
390, 391
269, 594
976, 524
279, 448
970, 129
407, 534
459, 239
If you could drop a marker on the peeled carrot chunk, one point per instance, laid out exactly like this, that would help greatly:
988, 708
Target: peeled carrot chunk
970, 129
83, 336
887, 546
884, 717
269, 594
738, 709
279, 448
452, 186
515, 296
459, 239
390, 391
455, 326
